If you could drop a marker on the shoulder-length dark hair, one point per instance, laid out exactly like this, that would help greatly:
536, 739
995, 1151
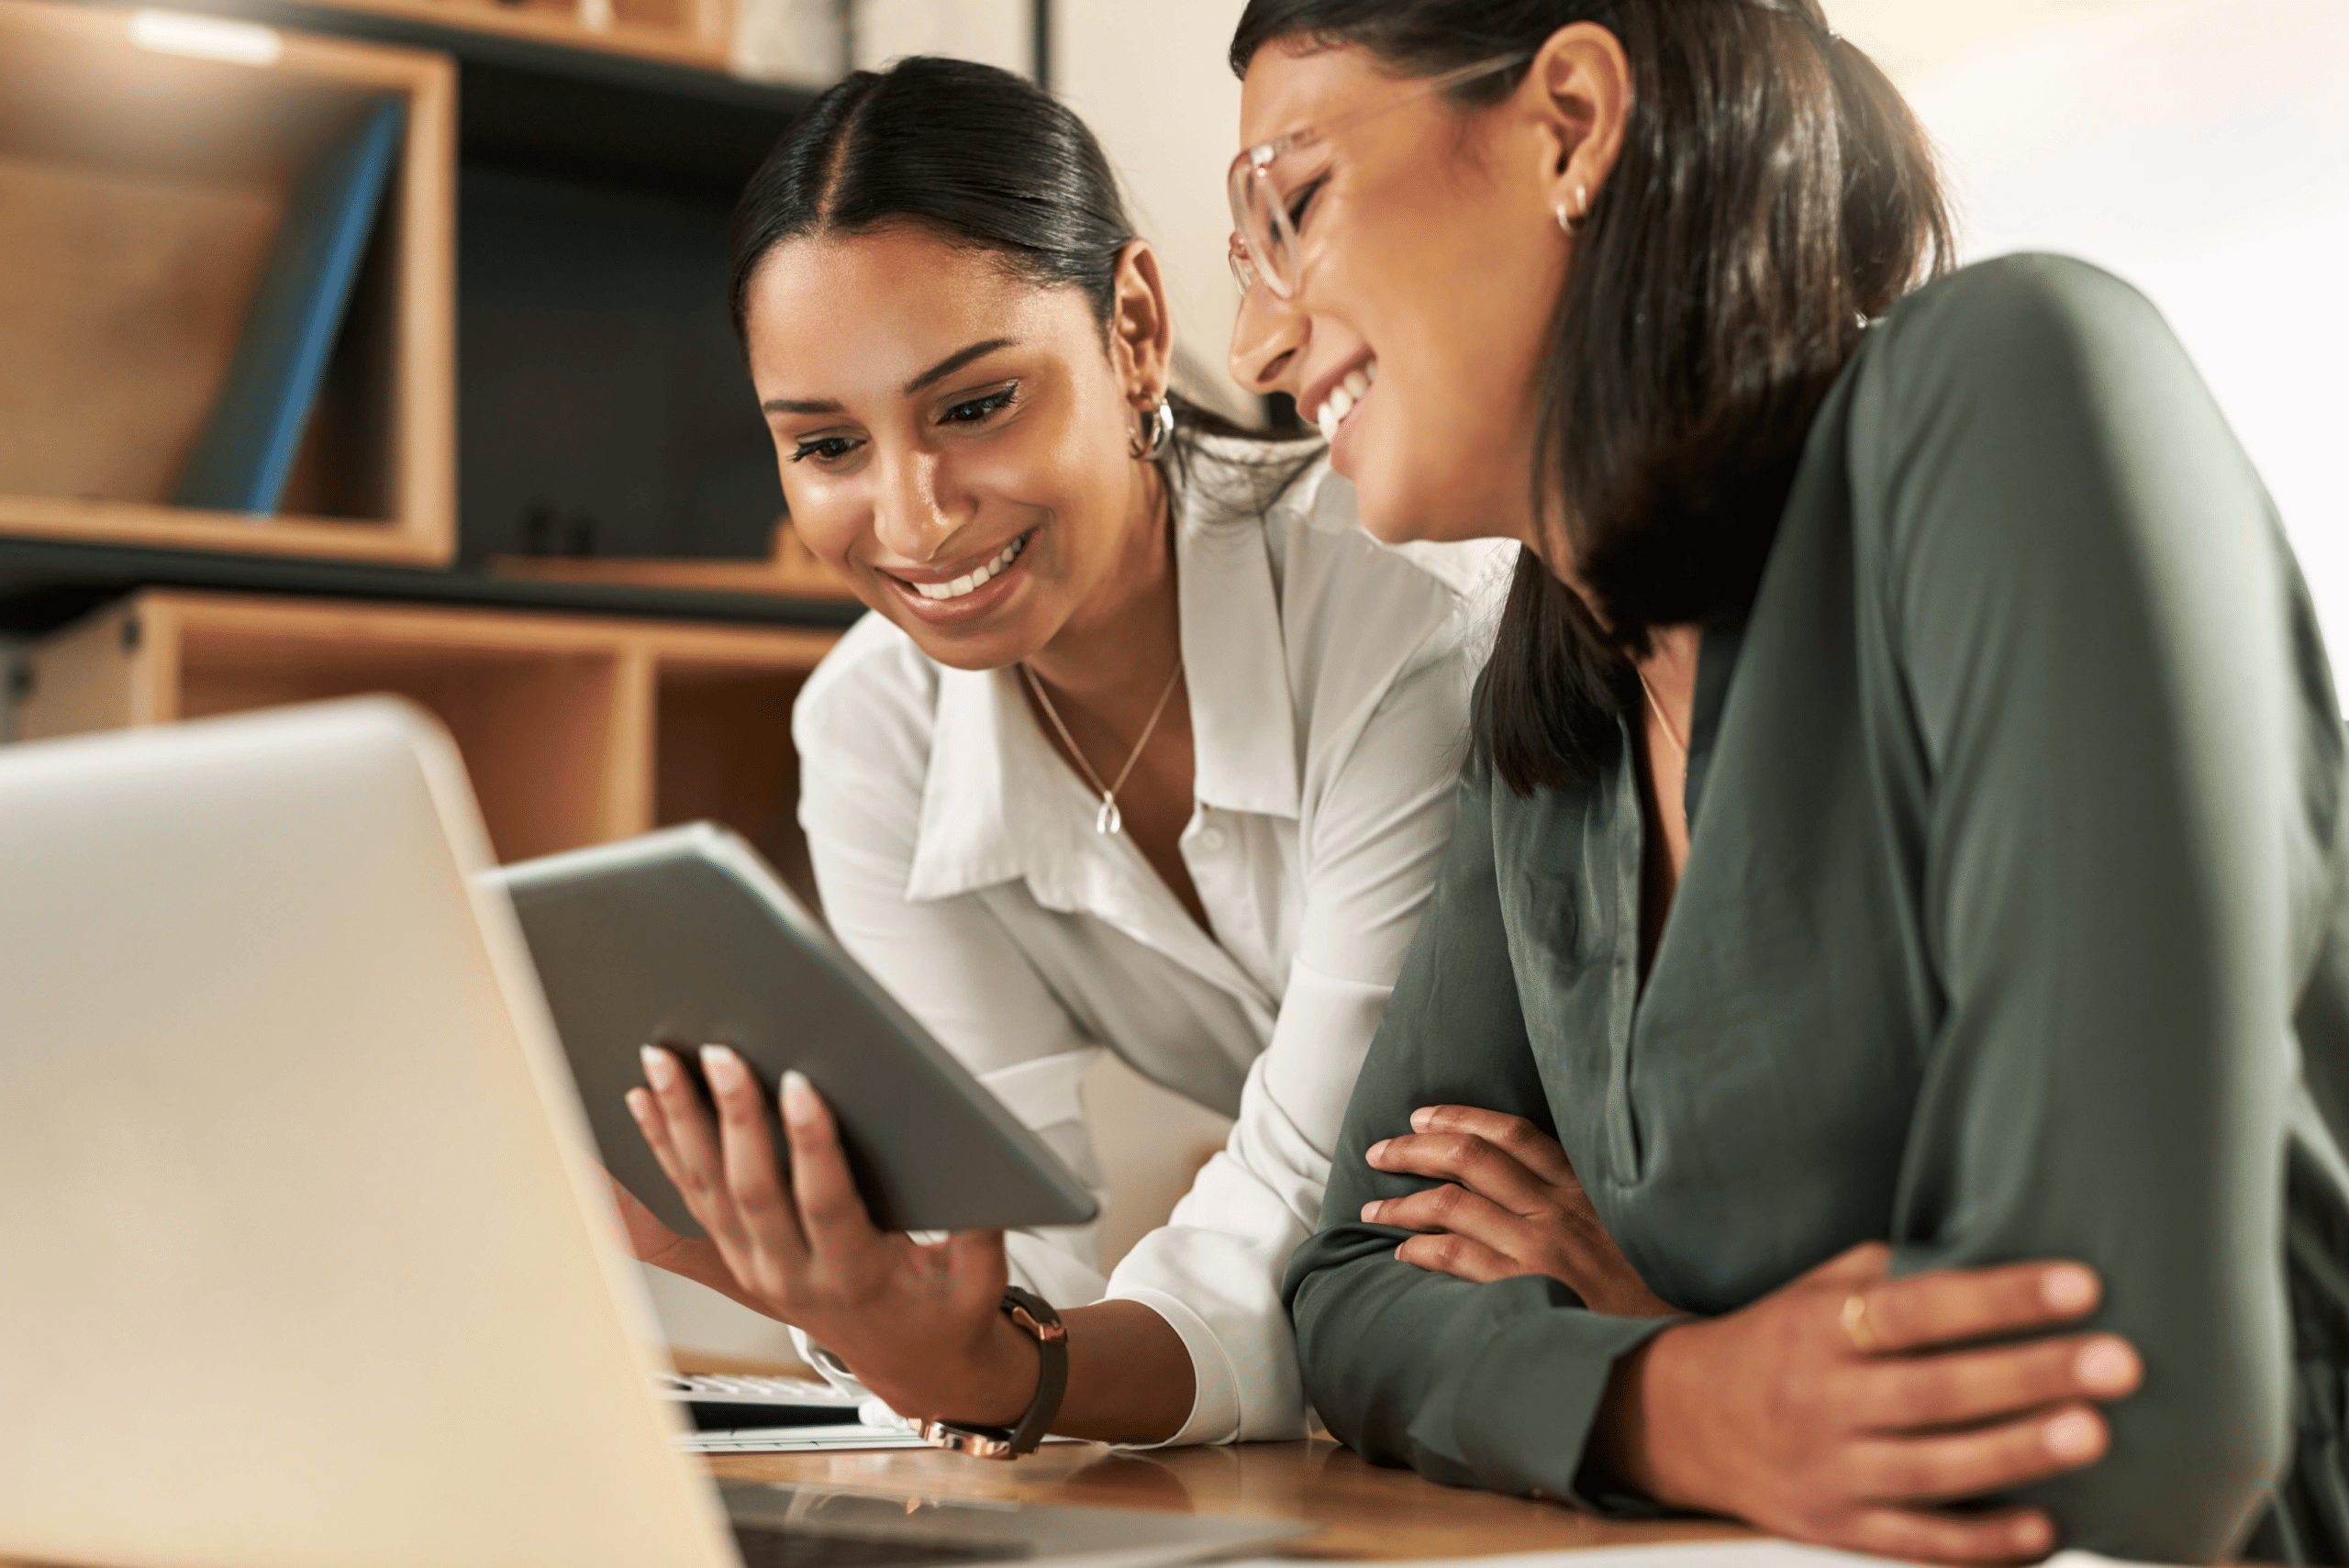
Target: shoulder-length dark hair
1773, 191
976, 155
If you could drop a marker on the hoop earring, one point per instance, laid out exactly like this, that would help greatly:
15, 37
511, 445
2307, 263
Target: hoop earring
1572, 222
1157, 429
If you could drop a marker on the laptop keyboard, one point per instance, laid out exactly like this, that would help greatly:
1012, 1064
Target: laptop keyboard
764, 1547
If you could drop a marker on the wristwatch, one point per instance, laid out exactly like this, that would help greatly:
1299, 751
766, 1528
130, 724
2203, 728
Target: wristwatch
1033, 1316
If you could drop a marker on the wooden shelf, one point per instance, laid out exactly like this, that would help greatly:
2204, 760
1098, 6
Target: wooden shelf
143, 190
575, 730
790, 571
46, 583
684, 33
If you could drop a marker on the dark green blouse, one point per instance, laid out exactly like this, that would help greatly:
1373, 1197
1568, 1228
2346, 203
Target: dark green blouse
2012, 928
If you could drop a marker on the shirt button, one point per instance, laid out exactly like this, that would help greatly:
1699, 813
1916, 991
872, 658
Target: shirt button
1212, 838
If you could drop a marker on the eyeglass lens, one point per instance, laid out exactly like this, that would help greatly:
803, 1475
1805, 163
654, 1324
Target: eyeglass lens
1264, 227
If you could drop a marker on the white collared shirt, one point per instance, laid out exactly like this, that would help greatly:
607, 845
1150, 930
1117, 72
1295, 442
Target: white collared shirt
958, 860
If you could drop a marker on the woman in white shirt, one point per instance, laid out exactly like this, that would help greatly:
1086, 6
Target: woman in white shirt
1056, 804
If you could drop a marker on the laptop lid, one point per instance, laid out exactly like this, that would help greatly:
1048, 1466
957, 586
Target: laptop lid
299, 1259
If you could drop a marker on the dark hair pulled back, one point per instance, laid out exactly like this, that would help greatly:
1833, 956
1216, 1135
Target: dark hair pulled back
983, 159
1773, 191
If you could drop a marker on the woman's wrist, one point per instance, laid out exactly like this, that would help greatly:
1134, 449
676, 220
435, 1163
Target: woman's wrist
989, 1382
1637, 1438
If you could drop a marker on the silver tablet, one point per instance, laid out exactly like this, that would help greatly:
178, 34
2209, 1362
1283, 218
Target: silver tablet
684, 938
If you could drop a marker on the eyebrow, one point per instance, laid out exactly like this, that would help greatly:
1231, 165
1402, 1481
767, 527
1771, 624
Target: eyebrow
936, 372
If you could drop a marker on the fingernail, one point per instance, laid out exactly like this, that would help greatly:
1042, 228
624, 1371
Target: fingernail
1377, 1151
636, 1101
1370, 1211
2072, 1434
722, 1068
2067, 1288
2034, 1535
1421, 1117
659, 1068
798, 1098
2107, 1363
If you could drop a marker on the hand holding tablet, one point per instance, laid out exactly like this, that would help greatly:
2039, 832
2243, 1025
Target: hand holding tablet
685, 939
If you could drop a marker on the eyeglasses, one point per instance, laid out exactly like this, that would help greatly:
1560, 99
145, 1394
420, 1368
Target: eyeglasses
1264, 247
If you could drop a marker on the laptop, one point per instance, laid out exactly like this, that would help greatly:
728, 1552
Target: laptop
304, 1257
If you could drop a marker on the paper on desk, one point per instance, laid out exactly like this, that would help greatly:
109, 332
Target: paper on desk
798, 1439
1677, 1554
811, 1439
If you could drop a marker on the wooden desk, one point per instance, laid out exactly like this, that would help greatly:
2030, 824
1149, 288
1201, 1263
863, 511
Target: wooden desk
1364, 1511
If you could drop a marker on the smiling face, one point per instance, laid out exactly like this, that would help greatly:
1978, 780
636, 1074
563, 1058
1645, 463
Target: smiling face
955, 440
1431, 263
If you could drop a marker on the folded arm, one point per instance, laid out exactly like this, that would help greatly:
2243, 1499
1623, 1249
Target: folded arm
2084, 588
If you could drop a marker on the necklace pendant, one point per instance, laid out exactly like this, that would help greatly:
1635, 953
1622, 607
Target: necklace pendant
1109, 822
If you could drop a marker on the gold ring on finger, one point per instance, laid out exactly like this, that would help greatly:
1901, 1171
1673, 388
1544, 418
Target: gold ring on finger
1855, 1324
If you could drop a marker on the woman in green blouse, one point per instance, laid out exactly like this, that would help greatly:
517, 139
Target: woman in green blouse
1894, 933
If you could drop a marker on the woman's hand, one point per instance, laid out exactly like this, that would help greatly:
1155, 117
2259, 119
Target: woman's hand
1511, 1205
1845, 1408
920, 1325
694, 1257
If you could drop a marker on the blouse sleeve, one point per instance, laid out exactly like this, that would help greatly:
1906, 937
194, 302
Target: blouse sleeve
2089, 601
1374, 836
1491, 1385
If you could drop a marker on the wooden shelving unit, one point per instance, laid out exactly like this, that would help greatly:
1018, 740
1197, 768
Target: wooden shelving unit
685, 32
575, 730
538, 364
558, 373
142, 190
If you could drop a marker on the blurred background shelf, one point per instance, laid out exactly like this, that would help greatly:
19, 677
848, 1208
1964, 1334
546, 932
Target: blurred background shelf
575, 730
593, 402
690, 32
142, 191
44, 584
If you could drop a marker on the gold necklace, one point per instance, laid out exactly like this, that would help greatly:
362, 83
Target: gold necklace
1108, 821
1663, 723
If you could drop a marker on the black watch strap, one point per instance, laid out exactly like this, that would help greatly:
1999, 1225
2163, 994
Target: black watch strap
1034, 1317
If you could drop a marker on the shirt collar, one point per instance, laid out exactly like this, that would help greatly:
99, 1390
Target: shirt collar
999, 805
1243, 720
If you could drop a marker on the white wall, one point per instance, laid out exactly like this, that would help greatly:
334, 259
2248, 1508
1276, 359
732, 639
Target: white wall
799, 40
1148, 77
994, 32
2201, 149
788, 41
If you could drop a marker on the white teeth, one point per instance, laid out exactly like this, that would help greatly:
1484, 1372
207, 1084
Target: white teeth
1343, 396
968, 581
